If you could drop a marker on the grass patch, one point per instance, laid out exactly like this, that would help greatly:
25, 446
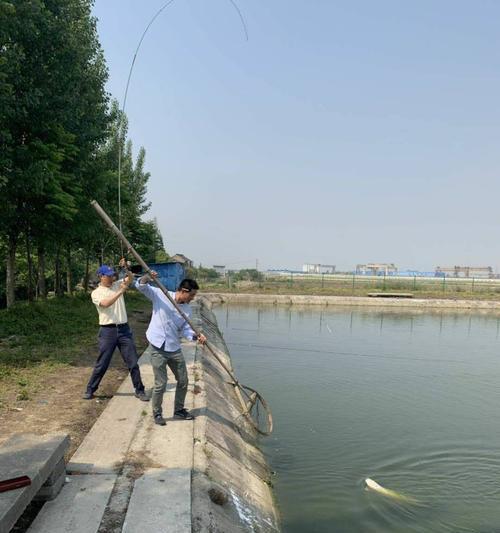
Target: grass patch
23, 395
38, 338
45, 331
53, 331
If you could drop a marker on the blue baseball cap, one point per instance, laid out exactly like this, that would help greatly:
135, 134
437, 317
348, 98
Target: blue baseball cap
105, 270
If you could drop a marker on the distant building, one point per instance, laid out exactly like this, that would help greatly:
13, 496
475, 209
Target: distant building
180, 258
220, 269
377, 269
318, 269
465, 272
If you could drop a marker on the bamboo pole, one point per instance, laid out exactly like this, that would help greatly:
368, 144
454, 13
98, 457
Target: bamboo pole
238, 387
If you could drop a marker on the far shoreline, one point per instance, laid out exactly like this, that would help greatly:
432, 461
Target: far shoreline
353, 301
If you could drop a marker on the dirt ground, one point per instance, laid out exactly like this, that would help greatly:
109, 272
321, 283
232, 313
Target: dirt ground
57, 406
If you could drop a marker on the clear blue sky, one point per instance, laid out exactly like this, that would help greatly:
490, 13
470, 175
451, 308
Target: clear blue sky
341, 132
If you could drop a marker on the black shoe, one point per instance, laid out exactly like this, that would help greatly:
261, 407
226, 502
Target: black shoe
159, 420
88, 396
142, 396
184, 414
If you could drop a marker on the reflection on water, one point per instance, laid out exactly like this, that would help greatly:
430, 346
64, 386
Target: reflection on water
409, 399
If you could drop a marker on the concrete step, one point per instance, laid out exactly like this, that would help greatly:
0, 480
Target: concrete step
104, 449
124, 441
169, 446
160, 502
78, 508
35, 456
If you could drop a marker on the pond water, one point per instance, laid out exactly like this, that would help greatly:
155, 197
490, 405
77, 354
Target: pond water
408, 399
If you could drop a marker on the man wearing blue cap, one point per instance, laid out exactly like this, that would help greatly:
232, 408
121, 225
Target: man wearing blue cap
114, 330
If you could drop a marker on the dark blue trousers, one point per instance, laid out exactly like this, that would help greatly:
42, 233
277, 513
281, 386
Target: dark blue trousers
110, 338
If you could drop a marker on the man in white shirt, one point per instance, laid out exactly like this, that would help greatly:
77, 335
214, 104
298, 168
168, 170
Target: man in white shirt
166, 328
114, 330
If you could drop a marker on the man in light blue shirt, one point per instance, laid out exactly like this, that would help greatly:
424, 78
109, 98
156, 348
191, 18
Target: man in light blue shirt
164, 332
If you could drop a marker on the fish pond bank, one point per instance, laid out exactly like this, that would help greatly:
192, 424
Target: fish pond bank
351, 301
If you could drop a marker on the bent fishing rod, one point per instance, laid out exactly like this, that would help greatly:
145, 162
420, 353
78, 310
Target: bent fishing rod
121, 115
253, 397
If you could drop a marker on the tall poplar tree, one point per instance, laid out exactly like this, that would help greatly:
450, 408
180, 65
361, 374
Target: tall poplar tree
52, 76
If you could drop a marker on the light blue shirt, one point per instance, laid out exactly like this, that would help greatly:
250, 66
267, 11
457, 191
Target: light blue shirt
167, 326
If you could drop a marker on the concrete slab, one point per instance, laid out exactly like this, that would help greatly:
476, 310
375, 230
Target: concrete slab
104, 448
58, 471
169, 446
161, 498
35, 456
78, 508
230, 442
125, 434
172, 448
49, 492
160, 502
230, 481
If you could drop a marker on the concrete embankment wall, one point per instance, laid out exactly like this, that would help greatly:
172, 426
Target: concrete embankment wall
283, 299
229, 467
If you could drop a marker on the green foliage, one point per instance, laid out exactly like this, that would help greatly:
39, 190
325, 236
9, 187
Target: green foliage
54, 325
247, 274
59, 144
161, 256
202, 273
23, 395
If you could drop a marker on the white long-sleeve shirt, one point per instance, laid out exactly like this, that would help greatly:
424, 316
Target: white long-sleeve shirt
167, 326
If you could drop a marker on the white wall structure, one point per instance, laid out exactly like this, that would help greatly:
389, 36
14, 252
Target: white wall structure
318, 268
220, 269
377, 268
466, 271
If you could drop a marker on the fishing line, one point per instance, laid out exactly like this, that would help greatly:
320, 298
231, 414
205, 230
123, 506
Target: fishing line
122, 112
353, 354
243, 23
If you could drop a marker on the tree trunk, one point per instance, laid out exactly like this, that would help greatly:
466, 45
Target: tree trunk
86, 277
30, 267
57, 274
69, 280
42, 285
10, 282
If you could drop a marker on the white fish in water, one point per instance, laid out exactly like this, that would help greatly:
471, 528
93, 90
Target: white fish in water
373, 485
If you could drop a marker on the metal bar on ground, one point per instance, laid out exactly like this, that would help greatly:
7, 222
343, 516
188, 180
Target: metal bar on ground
14, 483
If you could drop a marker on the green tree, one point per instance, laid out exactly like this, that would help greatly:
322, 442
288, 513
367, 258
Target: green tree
248, 274
60, 140
52, 84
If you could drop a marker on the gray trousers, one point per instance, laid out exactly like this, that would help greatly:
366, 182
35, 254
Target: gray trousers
160, 359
